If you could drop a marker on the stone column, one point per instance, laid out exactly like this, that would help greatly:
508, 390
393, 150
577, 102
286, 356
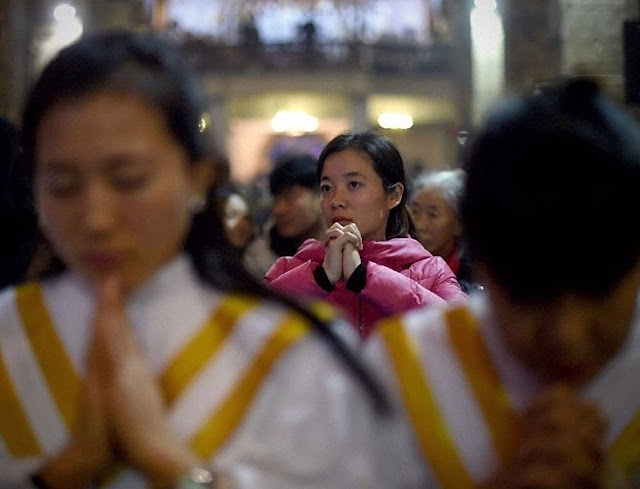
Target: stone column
459, 12
219, 123
359, 118
591, 36
16, 29
532, 42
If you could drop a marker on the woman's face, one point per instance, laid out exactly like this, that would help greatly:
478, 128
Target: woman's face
437, 226
113, 186
237, 221
351, 191
571, 338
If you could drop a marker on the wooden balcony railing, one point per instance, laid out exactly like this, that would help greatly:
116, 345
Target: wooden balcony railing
381, 58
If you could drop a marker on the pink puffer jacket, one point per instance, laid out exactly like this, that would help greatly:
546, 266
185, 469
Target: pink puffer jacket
401, 275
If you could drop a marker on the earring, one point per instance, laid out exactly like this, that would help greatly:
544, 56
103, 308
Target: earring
197, 203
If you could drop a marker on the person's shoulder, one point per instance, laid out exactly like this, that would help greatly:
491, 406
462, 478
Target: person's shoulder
258, 257
422, 321
291, 331
7, 299
258, 244
426, 327
265, 315
396, 253
432, 266
259, 249
311, 250
19, 298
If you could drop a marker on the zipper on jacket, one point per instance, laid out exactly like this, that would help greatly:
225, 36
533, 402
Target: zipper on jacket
360, 325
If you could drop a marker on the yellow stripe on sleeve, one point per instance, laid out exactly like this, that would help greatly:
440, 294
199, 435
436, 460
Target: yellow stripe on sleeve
483, 379
57, 369
325, 311
433, 437
228, 416
204, 345
15, 429
625, 450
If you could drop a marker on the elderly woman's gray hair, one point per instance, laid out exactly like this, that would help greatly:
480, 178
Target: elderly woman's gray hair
450, 183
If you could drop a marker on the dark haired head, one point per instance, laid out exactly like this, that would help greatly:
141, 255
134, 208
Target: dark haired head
150, 67
387, 164
290, 170
553, 193
144, 65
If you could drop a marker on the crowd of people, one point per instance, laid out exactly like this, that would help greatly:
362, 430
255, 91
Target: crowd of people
474, 328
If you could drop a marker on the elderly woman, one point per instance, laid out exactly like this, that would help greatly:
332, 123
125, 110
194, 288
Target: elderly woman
435, 208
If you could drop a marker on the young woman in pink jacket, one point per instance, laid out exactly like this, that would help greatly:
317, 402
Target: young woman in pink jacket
367, 265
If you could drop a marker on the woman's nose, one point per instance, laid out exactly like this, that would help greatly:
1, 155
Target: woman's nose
337, 200
98, 209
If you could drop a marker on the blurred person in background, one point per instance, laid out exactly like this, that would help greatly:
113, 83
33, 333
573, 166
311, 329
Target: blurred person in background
144, 354
535, 384
295, 213
365, 264
435, 209
236, 216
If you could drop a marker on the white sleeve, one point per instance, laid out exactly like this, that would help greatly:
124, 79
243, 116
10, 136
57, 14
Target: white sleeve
16, 473
312, 426
396, 450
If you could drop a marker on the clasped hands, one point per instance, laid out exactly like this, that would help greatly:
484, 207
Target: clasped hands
122, 417
560, 445
342, 251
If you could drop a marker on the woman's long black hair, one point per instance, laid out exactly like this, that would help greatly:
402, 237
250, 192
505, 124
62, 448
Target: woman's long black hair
151, 67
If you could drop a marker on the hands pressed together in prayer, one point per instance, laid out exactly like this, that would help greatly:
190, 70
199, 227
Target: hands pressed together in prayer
342, 255
122, 417
560, 446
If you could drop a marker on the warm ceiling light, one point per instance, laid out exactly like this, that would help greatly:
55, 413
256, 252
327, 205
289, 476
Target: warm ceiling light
489, 5
390, 120
64, 12
293, 122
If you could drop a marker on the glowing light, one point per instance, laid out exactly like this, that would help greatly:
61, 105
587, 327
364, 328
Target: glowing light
398, 121
203, 123
486, 5
64, 12
67, 28
487, 52
293, 122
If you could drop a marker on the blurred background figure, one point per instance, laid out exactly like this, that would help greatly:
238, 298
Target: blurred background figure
365, 263
295, 213
236, 215
250, 38
435, 208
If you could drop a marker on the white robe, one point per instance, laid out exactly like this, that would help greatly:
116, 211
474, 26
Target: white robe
454, 439
309, 423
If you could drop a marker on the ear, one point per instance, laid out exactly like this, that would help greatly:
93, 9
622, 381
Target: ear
395, 195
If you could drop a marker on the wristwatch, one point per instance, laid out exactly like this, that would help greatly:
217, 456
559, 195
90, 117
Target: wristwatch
196, 478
